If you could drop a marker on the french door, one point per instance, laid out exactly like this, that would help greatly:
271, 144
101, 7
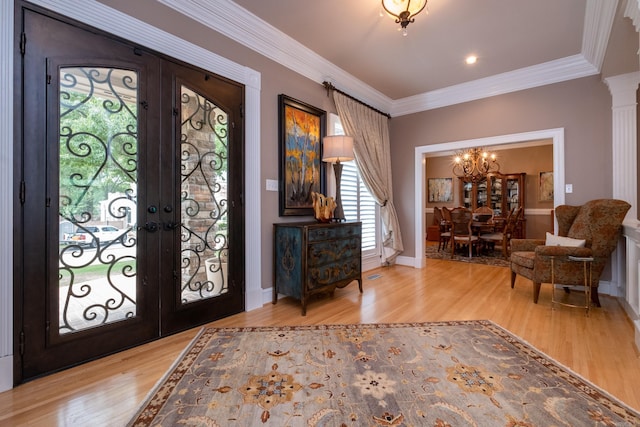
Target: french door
130, 223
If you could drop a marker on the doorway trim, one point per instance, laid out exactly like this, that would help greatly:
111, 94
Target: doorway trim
6, 193
110, 20
556, 135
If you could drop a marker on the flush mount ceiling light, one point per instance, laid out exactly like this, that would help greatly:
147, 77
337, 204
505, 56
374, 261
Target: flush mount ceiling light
404, 11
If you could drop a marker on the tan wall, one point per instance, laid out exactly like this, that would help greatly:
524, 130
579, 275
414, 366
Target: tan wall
582, 107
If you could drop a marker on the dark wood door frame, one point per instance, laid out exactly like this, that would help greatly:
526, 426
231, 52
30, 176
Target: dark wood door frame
23, 251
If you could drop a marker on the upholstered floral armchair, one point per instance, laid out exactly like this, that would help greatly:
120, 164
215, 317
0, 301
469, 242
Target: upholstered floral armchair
597, 222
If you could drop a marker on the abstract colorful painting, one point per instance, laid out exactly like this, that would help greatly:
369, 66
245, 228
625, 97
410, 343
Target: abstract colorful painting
302, 128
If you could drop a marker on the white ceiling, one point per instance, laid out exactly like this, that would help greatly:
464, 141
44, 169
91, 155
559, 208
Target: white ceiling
519, 44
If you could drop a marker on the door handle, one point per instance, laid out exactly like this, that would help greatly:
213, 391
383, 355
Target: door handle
171, 225
151, 227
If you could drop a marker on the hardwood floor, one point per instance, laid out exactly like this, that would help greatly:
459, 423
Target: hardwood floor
599, 347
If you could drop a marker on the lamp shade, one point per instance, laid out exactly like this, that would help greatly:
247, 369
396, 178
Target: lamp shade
337, 148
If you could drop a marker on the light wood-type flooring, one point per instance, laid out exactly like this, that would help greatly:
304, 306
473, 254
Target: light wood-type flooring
600, 347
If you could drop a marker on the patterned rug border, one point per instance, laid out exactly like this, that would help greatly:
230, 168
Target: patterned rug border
193, 349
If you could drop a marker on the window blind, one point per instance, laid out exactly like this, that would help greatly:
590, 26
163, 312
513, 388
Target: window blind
358, 204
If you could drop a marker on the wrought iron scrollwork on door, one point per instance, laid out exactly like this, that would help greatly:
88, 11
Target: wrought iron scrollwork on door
97, 159
204, 154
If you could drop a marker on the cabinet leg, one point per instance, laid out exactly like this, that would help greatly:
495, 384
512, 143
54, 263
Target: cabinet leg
360, 285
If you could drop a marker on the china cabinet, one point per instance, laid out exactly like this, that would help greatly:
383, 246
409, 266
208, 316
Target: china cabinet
501, 192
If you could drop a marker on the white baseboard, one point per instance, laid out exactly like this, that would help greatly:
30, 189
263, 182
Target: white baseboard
405, 260
370, 263
253, 299
635, 319
608, 288
267, 295
6, 373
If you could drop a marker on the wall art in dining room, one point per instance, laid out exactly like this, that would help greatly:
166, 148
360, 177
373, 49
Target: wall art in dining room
440, 190
545, 187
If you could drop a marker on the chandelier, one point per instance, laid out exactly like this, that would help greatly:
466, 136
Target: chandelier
404, 11
474, 164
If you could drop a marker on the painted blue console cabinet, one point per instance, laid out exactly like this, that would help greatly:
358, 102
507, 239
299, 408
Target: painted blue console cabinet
312, 257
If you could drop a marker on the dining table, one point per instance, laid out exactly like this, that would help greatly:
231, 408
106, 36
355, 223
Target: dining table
478, 227
482, 223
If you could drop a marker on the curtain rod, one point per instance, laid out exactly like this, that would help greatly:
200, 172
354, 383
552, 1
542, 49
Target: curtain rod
329, 86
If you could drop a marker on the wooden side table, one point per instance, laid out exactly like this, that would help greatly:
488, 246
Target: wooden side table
587, 269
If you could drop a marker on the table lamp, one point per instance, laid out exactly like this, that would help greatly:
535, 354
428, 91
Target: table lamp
337, 148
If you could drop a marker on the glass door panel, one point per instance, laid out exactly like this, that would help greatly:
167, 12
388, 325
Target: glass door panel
204, 206
467, 194
97, 189
496, 195
513, 193
482, 194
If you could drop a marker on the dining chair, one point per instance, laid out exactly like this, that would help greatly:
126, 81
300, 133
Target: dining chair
503, 238
444, 222
461, 232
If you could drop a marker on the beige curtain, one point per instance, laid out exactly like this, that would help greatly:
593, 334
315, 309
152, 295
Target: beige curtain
370, 132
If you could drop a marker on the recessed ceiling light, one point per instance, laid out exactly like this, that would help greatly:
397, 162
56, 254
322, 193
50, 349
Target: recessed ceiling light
471, 59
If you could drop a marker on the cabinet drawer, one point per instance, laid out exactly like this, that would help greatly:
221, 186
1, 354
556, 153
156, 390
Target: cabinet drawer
324, 252
326, 233
321, 276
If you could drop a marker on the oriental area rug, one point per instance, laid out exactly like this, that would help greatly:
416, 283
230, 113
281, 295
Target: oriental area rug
489, 257
466, 373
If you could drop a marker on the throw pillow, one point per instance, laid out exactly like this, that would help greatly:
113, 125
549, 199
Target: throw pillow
553, 240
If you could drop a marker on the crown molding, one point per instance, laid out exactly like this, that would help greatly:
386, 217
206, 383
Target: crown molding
235, 22
240, 25
632, 10
598, 20
110, 20
559, 70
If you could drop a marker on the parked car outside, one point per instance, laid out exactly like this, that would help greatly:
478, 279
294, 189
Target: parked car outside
93, 235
